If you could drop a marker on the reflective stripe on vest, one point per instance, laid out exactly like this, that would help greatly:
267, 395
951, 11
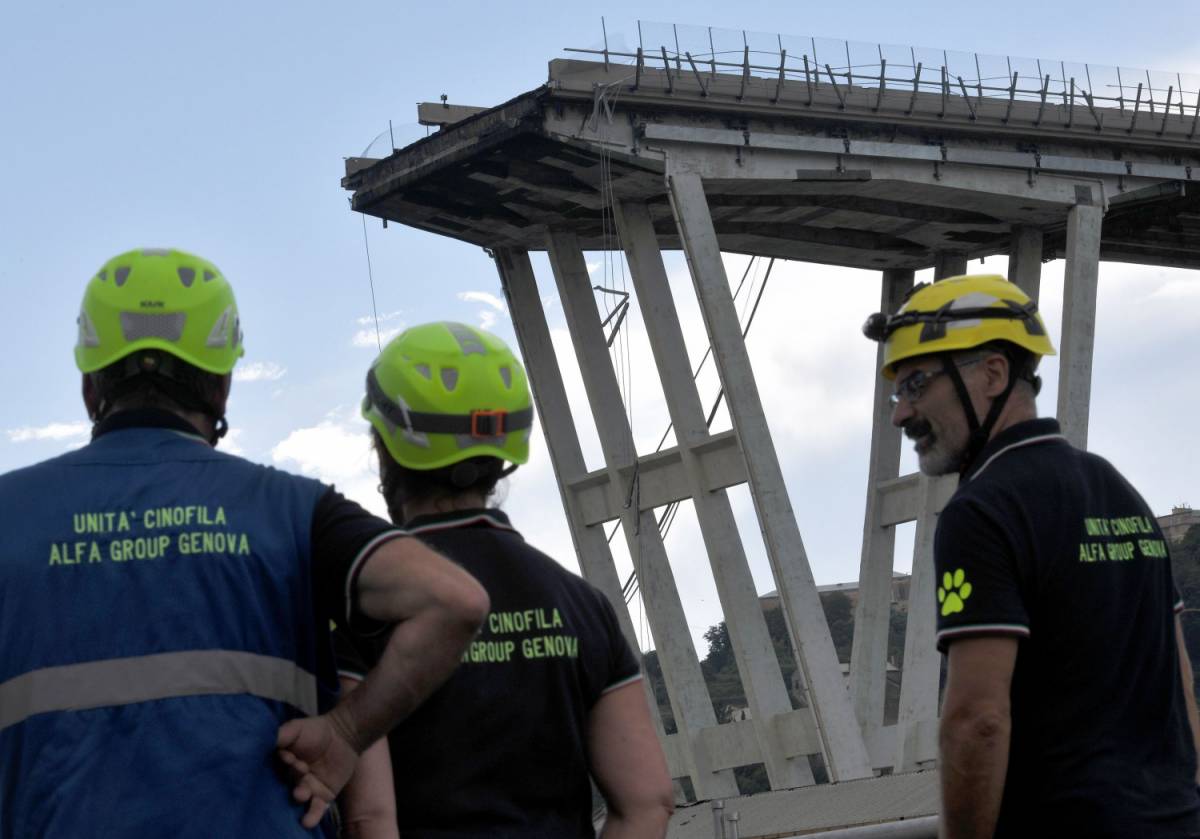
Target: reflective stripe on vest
124, 681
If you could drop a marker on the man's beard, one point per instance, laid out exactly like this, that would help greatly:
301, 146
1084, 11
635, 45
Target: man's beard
934, 456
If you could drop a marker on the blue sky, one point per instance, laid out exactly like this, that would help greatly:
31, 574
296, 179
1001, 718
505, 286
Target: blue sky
221, 128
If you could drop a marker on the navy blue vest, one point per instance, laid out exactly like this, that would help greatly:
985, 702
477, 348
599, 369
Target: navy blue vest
157, 626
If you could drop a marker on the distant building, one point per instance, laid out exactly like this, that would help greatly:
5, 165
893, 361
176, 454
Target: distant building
900, 586
1175, 525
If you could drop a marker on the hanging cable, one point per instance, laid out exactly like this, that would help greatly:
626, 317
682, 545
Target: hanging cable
668, 517
745, 332
708, 350
371, 280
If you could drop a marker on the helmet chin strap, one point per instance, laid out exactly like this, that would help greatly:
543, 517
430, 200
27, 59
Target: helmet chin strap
978, 433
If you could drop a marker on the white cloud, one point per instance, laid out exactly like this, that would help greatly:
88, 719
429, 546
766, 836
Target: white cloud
374, 332
371, 339
370, 320
1177, 290
259, 371
229, 443
487, 317
482, 297
337, 451
56, 431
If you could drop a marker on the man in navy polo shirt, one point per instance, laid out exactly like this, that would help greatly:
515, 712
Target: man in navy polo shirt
1068, 708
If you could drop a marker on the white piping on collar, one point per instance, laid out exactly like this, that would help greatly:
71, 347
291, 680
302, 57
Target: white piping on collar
355, 569
192, 435
1043, 438
485, 518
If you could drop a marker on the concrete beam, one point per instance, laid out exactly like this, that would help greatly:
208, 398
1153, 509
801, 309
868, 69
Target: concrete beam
554, 412
872, 620
441, 114
916, 738
1025, 260
662, 478
1080, 281
949, 264
753, 650
844, 750
689, 695
902, 499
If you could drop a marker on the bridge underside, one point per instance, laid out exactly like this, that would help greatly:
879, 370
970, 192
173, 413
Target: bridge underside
602, 160
502, 178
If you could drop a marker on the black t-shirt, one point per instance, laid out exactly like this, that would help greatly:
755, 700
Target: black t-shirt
1052, 545
500, 750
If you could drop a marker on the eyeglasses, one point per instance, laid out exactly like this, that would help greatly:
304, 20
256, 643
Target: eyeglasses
913, 387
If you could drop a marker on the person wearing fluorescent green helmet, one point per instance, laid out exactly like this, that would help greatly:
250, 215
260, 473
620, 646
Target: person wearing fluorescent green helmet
550, 692
1068, 708
167, 668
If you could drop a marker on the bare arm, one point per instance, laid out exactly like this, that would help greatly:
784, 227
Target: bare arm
436, 608
974, 735
628, 765
368, 802
1189, 687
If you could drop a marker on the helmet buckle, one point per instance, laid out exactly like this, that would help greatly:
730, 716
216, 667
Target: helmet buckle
487, 423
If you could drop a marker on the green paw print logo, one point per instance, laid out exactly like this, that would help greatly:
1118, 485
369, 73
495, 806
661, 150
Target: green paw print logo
953, 591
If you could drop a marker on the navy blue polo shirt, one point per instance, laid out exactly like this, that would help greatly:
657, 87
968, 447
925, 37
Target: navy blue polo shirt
500, 750
1051, 545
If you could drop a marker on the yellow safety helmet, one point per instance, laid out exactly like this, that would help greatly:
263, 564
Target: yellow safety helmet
958, 313
442, 393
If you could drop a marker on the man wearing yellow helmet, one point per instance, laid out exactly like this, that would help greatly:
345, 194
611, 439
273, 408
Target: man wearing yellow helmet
1068, 708
550, 692
165, 608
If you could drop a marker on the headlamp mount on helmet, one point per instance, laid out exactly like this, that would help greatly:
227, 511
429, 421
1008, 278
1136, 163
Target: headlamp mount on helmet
880, 326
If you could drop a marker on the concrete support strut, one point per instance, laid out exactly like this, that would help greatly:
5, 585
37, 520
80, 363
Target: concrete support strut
916, 722
949, 264
554, 411
1080, 281
1025, 260
872, 619
845, 752
690, 700
753, 650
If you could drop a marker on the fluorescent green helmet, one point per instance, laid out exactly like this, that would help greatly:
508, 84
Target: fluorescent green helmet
164, 300
441, 393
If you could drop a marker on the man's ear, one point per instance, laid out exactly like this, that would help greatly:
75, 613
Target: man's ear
91, 401
997, 369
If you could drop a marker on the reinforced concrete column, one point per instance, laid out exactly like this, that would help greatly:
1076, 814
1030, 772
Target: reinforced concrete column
1025, 259
872, 619
753, 650
916, 723
842, 739
689, 695
562, 441
554, 411
1080, 282
949, 264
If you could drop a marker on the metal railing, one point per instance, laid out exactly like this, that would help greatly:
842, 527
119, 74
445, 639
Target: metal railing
704, 53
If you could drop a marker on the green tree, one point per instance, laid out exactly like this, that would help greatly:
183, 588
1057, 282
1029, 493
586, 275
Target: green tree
839, 613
